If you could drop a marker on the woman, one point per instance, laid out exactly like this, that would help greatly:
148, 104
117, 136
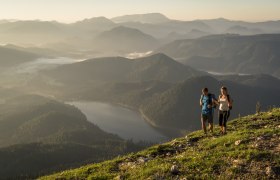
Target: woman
224, 109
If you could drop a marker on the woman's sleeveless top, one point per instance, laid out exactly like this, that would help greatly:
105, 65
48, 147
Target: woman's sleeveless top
223, 104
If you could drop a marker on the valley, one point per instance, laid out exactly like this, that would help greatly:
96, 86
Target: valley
77, 94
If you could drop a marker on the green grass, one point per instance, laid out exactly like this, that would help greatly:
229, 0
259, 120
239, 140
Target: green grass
200, 157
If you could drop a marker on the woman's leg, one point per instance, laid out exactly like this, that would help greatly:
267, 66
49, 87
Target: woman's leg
221, 120
228, 114
225, 121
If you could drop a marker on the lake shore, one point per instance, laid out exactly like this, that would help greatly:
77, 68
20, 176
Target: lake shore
117, 118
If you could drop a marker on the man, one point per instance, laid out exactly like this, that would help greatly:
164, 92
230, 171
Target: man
207, 102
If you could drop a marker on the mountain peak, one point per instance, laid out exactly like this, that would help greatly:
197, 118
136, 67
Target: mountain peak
100, 19
123, 28
126, 32
151, 18
159, 57
125, 39
222, 19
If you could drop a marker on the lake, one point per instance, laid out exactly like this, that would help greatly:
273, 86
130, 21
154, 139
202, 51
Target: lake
124, 122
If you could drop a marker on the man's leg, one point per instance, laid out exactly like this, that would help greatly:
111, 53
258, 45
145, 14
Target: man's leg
210, 122
203, 119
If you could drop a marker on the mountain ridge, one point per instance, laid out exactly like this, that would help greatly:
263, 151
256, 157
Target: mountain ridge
143, 18
252, 54
11, 57
124, 39
154, 67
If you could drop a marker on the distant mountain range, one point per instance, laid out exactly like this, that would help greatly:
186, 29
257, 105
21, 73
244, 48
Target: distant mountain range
31, 33
256, 81
125, 40
220, 25
151, 18
78, 37
40, 52
229, 53
162, 30
243, 30
10, 57
194, 33
95, 24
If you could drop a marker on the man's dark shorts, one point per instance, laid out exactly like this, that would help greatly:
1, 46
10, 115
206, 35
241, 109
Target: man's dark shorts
207, 117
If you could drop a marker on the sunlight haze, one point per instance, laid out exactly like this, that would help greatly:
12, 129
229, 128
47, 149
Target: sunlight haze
70, 10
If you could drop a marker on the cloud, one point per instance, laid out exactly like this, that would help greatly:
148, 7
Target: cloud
136, 55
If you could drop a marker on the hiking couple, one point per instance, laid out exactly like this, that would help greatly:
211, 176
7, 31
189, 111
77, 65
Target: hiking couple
208, 103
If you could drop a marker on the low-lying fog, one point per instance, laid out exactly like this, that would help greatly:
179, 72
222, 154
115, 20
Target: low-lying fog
44, 63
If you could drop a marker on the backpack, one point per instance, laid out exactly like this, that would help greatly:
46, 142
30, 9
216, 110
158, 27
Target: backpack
210, 101
230, 107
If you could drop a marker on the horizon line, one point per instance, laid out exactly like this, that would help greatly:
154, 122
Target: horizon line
110, 18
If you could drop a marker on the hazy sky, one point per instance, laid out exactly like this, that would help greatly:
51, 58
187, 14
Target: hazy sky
72, 10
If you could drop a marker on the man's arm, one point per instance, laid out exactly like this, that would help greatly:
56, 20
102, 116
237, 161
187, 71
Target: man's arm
215, 101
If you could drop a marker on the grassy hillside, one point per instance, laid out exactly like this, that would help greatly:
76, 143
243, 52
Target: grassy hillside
250, 150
